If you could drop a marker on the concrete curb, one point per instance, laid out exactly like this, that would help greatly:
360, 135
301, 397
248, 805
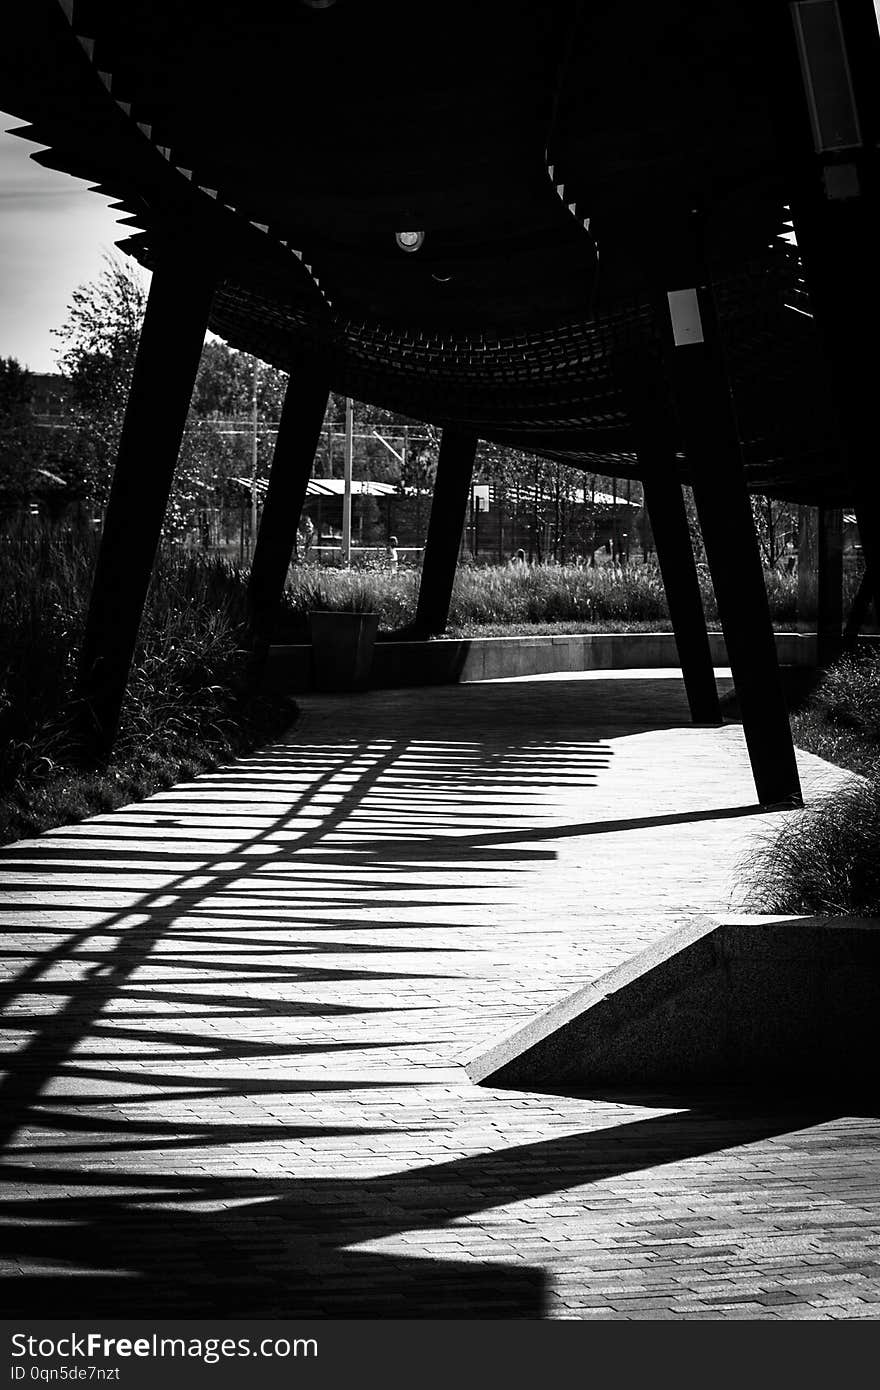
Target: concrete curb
449, 661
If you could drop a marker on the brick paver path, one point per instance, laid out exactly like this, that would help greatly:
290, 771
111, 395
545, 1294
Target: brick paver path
235, 1016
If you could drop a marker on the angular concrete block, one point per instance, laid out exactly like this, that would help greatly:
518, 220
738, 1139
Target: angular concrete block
745, 998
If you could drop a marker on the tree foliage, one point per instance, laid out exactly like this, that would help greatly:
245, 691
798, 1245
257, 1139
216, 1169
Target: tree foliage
99, 341
21, 452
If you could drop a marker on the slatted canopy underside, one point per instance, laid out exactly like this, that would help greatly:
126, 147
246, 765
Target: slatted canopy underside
546, 151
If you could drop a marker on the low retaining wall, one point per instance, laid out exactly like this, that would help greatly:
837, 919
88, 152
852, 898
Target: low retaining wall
731, 999
450, 660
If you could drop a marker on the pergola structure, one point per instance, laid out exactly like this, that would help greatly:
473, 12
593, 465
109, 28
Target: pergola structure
561, 226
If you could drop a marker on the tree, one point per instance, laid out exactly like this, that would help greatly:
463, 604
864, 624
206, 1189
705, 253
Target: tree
776, 527
15, 393
24, 448
225, 384
100, 338
18, 444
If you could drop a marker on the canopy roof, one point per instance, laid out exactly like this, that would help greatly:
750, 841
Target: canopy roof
544, 150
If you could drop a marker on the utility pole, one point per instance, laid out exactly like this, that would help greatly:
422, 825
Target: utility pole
473, 523
392, 510
593, 522
346, 497
628, 518
254, 457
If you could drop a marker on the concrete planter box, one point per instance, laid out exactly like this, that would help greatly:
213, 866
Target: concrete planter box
342, 649
740, 998
451, 660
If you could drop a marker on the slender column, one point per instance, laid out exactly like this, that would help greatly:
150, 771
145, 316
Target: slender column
711, 439
649, 406
155, 417
299, 434
829, 623
452, 490
666, 512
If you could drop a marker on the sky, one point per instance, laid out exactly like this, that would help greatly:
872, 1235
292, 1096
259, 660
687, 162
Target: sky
53, 234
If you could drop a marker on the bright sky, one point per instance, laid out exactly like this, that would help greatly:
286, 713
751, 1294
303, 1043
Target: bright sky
53, 234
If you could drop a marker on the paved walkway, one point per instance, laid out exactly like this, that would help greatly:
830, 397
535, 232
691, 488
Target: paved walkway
236, 1015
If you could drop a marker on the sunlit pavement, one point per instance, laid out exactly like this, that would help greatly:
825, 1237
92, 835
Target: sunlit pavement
235, 1016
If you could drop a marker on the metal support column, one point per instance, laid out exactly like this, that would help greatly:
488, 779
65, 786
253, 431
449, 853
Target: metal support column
711, 439
666, 513
650, 409
299, 435
452, 490
155, 417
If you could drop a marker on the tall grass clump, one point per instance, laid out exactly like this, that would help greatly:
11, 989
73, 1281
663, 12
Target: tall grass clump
488, 595
782, 595
496, 597
840, 719
391, 594
825, 858
554, 593
849, 695
187, 704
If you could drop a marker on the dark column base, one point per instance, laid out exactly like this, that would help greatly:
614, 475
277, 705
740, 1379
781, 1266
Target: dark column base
448, 513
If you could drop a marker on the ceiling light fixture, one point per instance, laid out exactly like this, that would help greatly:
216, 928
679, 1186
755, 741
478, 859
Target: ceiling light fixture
409, 241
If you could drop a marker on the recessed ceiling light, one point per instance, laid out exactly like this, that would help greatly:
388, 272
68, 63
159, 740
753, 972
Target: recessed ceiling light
409, 241
318, 4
